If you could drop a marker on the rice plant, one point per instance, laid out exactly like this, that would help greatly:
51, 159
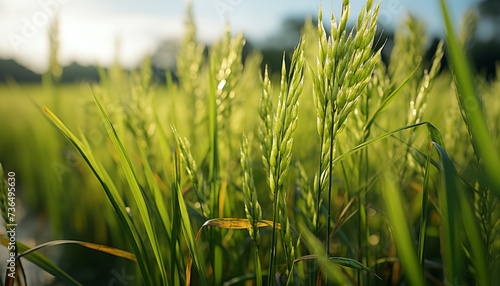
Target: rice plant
216, 178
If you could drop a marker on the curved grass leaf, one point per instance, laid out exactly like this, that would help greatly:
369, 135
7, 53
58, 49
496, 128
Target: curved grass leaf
227, 223
42, 262
99, 247
387, 100
235, 223
242, 278
111, 192
342, 261
135, 188
433, 131
317, 248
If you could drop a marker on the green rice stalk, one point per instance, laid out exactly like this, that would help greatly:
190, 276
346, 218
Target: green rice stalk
266, 120
189, 64
52, 77
227, 61
187, 228
468, 28
190, 58
173, 92
344, 67
375, 92
176, 225
305, 198
214, 172
285, 123
286, 239
55, 68
192, 170
226, 57
252, 206
409, 43
418, 106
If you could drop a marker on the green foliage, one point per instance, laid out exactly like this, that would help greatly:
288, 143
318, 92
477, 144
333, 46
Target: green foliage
284, 124
252, 206
401, 233
391, 211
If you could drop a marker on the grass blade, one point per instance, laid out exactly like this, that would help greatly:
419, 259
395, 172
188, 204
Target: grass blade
237, 223
470, 103
135, 188
42, 262
230, 223
342, 261
387, 101
99, 247
158, 198
240, 279
401, 232
317, 248
432, 130
186, 223
452, 200
425, 207
214, 172
112, 194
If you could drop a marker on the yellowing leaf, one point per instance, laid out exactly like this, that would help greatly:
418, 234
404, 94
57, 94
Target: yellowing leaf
227, 223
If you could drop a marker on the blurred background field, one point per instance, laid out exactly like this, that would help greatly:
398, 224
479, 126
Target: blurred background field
58, 196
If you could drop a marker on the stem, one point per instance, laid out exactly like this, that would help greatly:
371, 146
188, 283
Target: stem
367, 230
318, 205
330, 171
365, 173
258, 272
272, 263
214, 175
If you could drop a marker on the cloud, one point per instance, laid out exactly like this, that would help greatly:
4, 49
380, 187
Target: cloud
87, 34
89, 29
94, 41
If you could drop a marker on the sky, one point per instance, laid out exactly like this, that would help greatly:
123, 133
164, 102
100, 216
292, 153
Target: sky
89, 29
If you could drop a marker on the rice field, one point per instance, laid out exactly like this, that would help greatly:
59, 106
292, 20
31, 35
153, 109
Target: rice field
338, 169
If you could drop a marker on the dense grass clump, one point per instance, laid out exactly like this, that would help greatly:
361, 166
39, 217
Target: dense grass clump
321, 173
